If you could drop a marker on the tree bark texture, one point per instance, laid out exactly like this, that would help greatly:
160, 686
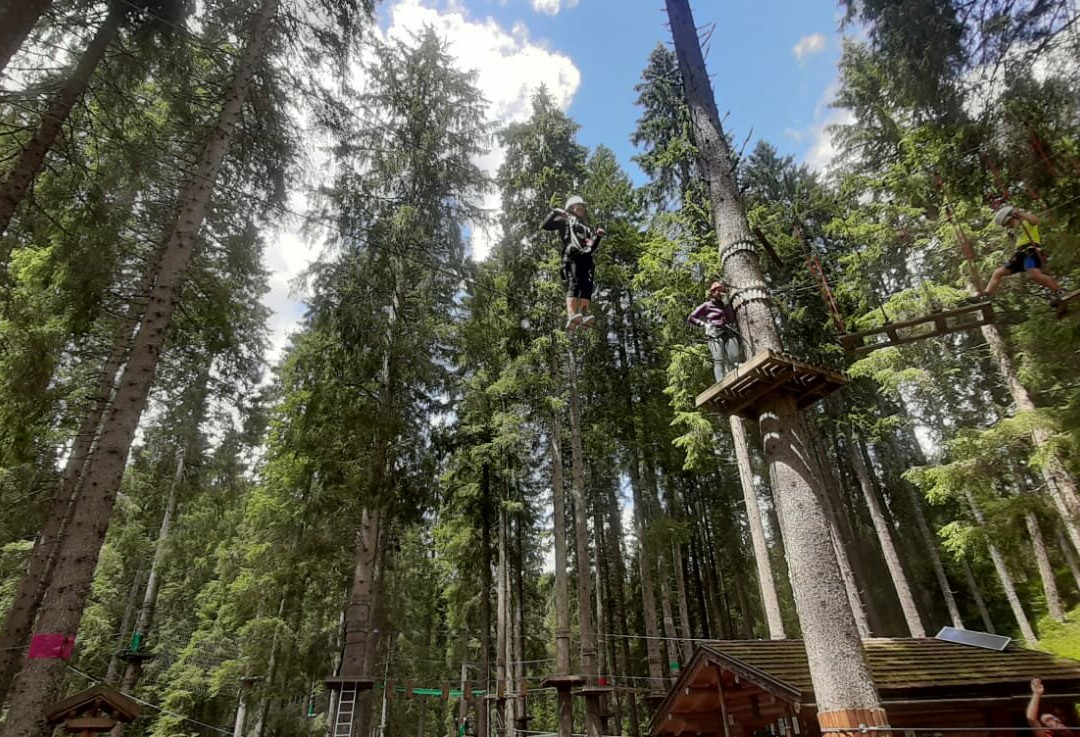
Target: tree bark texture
562, 583
885, 538
1046, 569
32, 156
32, 586
980, 602
1061, 485
40, 679
838, 667
1003, 574
653, 653
502, 620
153, 579
581, 535
17, 19
1070, 556
769, 599
931, 545
485, 600
1042, 558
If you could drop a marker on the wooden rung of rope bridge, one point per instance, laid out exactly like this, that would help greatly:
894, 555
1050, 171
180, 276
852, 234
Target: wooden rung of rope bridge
965, 317
743, 390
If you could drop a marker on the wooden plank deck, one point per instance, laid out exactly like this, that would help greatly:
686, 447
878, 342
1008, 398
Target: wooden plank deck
966, 317
742, 390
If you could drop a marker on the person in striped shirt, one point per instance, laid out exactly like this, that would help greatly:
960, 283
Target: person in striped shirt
1028, 258
717, 316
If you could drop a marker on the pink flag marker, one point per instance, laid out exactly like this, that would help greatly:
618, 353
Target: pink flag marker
51, 647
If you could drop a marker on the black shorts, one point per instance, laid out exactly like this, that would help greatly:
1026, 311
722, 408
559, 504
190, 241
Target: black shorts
1024, 259
577, 274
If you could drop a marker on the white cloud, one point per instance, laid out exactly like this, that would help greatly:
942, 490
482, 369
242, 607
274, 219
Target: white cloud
822, 149
552, 7
809, 45
287, 256
509, 65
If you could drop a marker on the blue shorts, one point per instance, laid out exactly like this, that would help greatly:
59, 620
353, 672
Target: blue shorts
1024, 259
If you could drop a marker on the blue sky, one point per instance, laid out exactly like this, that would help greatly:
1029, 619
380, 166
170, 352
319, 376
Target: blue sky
759, 81
772, 62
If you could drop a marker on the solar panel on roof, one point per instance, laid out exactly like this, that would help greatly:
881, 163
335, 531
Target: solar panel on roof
974, 638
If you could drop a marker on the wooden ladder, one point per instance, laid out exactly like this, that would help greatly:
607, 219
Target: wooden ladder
346, 711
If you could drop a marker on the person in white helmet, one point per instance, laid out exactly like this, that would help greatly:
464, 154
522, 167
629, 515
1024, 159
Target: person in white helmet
579, 242
1028, 258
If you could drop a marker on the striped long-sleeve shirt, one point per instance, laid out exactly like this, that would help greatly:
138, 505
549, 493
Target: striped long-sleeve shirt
714, 313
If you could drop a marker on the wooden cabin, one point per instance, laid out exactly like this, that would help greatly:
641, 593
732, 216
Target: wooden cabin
761, 688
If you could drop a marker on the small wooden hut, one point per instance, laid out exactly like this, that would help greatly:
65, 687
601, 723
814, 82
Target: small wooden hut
762, 688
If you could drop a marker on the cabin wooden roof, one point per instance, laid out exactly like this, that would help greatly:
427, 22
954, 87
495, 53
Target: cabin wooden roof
93, 700
906, 671
900, 664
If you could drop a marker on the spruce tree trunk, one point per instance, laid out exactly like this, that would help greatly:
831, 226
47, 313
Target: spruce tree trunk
976, 594
521, 672
685, 631
618, 606
126, 623
843, 686
359, 612
847, 573
769, 599
40, 679
653, 653
271, 674
562, 586
1003, 574
19, 621
241, 714
581, 535
1069, 555
32, 156
648, 596
1046, 569
1060, 484
930, 544
485, 601
501, 622
153, 581
674, 646
17, 19
885, 539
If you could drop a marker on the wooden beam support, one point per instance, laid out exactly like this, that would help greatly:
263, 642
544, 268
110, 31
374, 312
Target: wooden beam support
936, 324
742, 390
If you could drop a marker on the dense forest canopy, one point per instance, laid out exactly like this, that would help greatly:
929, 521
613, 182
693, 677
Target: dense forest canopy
437, 490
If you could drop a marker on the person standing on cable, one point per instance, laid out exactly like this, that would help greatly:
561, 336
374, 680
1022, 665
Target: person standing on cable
1023, 230
579, 242
717, 316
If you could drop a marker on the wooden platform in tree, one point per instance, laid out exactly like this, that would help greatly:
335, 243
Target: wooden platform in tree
965, 317
594, 691
135, 656
562, 681
655, 698
360, 683
742, 391
1067, 302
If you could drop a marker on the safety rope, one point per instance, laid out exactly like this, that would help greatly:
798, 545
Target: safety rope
818, 272
961, 235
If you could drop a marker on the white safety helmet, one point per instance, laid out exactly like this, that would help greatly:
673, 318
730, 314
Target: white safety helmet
573, 200
1003, 214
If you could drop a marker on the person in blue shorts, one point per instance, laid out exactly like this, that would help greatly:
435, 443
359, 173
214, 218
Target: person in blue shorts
1027, 257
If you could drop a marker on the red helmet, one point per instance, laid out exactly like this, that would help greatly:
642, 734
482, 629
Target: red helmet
716, 285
